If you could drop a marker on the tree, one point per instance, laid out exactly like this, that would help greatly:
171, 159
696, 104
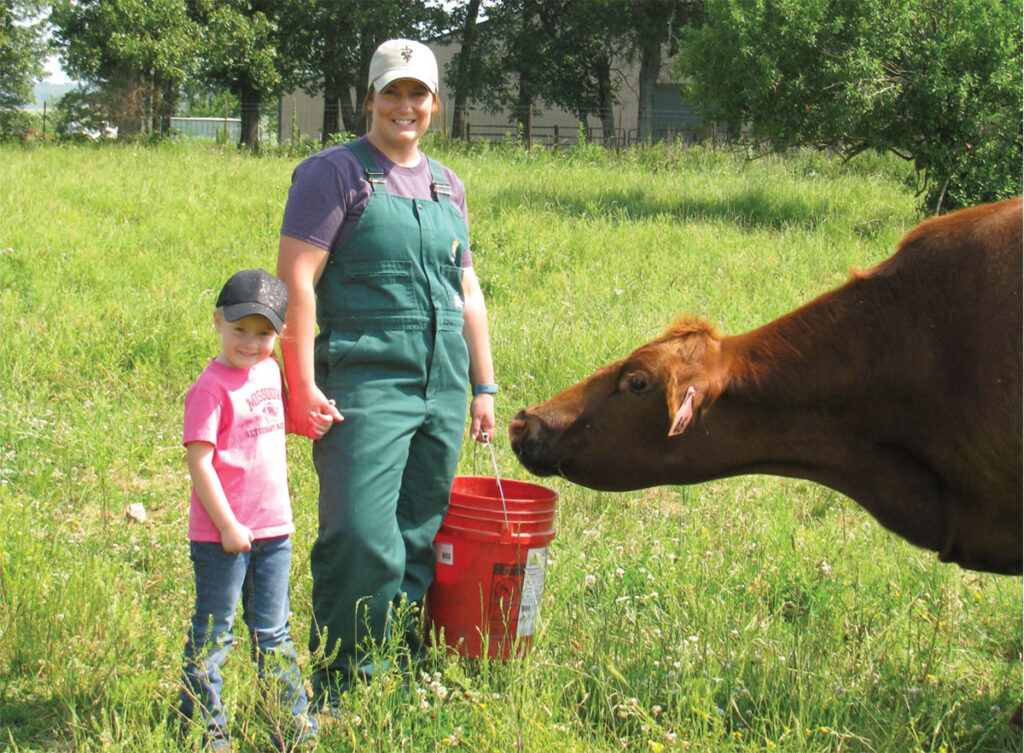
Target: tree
653, 25
137, 53
22, 51
935, 81
479, 72
506, 60
586, 37
253, 48
460, 78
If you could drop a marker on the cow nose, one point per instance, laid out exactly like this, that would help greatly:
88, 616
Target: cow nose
517, 429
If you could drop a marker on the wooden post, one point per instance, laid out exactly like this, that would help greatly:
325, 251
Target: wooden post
528, 136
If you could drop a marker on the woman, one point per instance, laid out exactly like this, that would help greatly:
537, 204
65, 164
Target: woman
375, 251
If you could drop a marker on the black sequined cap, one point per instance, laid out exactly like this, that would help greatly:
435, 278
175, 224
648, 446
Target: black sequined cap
253, 291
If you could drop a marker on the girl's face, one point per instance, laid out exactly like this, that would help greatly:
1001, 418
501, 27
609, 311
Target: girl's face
246, 341
401, 112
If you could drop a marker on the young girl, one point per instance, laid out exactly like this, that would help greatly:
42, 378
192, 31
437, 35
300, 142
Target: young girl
241, 518
375, 252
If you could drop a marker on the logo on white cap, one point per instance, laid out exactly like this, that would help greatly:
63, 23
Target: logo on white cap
403, 58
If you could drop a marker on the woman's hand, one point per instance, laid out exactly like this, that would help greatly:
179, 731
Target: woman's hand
481, 410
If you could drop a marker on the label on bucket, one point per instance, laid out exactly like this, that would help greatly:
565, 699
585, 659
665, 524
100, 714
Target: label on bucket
533, 589
445, 554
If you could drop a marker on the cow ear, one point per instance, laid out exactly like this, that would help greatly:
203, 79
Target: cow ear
683, 414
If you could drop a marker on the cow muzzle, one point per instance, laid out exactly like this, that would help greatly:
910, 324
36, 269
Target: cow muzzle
530, 441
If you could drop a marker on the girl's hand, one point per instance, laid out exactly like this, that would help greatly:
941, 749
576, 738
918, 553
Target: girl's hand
311, 412
321, 423
236, 538
481, 410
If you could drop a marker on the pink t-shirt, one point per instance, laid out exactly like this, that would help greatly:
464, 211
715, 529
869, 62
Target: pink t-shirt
241, 413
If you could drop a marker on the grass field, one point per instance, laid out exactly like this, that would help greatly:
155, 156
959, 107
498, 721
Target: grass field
743, 615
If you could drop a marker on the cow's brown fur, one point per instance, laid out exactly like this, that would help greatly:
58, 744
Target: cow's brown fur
901, 389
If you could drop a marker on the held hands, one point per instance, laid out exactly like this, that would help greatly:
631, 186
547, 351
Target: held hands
320, 423
311, 413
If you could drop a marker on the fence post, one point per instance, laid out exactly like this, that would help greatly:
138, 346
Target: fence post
529, 128
468, 137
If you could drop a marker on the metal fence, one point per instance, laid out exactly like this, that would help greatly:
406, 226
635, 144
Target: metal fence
686, 132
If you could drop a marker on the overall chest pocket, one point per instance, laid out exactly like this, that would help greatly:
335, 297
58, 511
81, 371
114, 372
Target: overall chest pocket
379, 287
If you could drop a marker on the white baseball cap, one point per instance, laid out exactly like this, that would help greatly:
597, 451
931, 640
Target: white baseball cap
403, 58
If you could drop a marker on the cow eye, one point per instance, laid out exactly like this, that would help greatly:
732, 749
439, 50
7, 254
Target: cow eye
636, 382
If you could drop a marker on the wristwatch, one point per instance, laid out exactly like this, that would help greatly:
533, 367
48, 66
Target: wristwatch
490, 388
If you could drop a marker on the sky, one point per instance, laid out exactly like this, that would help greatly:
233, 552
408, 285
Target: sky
54, 73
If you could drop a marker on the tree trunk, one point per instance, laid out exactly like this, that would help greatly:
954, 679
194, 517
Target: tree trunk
123, 106
250, 100
526, 66
335, 92
605, 101
459, 122
352, 114
330, 124
168, 104
650, 66
653, 21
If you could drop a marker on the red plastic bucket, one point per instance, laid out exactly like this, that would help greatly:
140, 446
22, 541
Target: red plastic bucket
491, 556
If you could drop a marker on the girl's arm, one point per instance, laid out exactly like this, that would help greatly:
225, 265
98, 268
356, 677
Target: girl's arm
481, 367
234, 537
299, 266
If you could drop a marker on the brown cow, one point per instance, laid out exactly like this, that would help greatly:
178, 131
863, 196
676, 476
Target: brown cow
900, 389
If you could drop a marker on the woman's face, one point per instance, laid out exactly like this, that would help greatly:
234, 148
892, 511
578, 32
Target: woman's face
401, 112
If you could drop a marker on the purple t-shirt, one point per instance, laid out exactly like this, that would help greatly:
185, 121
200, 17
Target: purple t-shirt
329, 192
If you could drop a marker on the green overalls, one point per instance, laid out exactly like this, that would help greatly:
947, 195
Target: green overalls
392, 354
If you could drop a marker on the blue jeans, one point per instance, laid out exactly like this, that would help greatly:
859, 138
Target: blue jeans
260, 577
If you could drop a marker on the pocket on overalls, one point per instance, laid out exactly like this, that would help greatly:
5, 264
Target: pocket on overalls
453, 277
377, 286
332, 350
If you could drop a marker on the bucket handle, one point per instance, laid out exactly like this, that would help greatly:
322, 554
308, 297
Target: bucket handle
497, 476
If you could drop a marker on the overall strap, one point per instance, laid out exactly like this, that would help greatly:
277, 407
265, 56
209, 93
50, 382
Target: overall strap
442, 188
374, 175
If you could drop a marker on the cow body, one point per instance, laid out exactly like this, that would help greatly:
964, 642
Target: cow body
900, 389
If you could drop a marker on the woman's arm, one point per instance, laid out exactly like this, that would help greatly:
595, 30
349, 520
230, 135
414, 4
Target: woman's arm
234, 537
299, 266
481, 367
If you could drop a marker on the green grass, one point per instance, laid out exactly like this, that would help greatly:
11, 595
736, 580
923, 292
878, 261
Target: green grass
743, 615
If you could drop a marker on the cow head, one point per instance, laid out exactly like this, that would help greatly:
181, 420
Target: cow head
626, 419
